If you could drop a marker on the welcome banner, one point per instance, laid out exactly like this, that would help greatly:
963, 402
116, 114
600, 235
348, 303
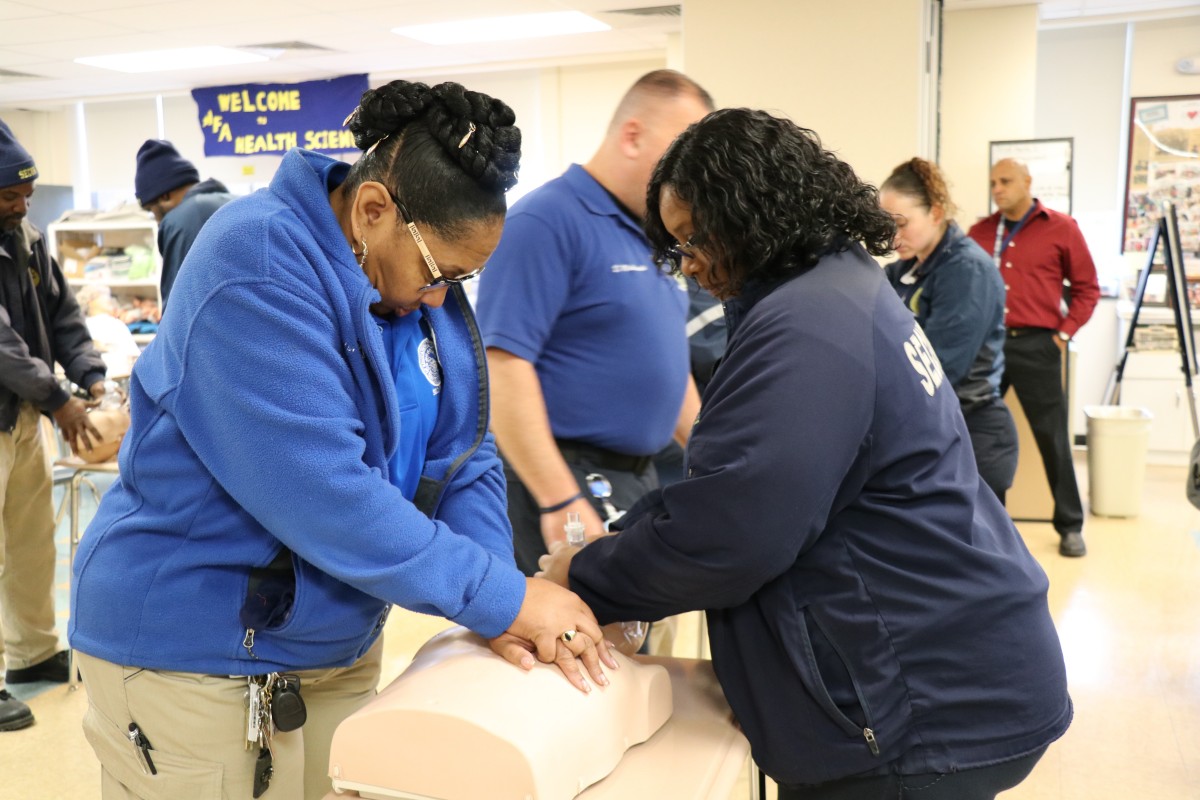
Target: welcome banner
272, 118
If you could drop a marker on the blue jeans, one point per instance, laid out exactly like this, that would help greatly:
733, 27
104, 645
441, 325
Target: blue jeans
983, 783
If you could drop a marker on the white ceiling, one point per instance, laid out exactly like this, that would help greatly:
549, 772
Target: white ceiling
41, 38
1070, 9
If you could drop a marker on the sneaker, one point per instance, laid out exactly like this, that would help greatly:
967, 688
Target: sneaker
14, 714
1072, 545
54, 669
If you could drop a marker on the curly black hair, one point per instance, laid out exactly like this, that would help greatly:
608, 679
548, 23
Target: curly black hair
766, 199
420, 144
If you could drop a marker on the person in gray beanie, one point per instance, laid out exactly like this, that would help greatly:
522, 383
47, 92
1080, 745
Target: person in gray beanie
167, 183
40, 324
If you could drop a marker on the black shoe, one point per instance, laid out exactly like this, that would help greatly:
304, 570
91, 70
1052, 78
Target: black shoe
14, 714
54, 669
1072, 545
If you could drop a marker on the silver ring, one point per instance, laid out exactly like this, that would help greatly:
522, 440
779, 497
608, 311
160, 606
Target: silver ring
568, 636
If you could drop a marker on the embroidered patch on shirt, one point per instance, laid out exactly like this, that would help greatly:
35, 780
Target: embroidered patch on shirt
430, 368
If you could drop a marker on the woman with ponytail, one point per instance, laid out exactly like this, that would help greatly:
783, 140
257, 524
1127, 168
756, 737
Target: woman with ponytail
957, 296
309, 446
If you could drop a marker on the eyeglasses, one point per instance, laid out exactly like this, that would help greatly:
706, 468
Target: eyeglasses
676, 253
439, 281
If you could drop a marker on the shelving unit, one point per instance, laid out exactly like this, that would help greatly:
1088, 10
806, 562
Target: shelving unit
74, 243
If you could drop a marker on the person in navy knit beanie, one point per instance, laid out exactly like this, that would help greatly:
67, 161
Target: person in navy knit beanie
40, 326
16, 165
167, 183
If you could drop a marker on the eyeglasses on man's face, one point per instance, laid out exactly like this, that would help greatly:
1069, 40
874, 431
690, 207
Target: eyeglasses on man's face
439, 281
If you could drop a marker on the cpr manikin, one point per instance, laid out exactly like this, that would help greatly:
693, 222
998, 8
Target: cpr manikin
462, 723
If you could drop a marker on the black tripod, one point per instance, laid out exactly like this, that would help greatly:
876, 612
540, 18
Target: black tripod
1166, 234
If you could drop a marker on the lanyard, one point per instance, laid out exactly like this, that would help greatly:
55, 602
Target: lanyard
1002, 240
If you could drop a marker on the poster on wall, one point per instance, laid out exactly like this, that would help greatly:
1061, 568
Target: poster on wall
1163, 164
271, 118
1050, 168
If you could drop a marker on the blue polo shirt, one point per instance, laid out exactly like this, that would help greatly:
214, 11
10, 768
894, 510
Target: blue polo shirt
571, 288
413, 362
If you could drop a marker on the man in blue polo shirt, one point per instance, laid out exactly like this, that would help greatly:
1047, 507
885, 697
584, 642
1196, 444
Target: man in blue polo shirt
585, 334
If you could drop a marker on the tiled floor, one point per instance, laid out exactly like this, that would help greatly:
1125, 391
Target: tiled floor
1126, 614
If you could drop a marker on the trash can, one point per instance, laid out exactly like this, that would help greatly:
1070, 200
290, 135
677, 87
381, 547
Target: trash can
1117, 440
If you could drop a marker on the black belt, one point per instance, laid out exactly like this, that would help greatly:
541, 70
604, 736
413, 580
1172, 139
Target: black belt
1016, 333
575, 451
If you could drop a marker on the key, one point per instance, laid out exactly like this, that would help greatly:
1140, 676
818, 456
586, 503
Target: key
263, 769
266, 723
143, 746
253, 712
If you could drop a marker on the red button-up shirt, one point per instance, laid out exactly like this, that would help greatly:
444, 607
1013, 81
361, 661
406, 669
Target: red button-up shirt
1047, 250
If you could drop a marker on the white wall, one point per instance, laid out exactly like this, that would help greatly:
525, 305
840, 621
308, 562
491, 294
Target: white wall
47, 136
989, 86
1157, 47
850, 71
115, 131
587, 98
1080, 94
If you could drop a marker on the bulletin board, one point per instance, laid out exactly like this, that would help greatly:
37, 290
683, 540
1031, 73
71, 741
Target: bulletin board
1051, 168
1163, 164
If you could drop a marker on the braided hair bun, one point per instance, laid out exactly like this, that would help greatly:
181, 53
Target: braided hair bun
475, 130
922, 180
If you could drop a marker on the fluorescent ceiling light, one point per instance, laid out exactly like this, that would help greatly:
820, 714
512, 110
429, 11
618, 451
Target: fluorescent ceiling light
497, 29
164, 60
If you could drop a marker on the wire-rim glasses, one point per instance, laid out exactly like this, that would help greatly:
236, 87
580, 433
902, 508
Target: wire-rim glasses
676, 253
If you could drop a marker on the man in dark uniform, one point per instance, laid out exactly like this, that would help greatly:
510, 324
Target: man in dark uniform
40, 324
169, 187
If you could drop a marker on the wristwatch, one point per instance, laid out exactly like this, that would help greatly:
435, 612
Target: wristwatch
1066, 337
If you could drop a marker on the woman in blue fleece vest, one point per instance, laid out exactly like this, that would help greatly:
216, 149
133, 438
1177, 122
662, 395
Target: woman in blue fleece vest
309, 445
877, 624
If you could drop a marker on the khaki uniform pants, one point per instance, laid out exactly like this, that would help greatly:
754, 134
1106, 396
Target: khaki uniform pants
27, 554
196, 725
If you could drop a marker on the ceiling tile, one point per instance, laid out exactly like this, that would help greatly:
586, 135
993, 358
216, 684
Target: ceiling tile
62, 27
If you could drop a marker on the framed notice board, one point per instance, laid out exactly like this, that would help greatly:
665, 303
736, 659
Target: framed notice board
1163, 165
1050, 164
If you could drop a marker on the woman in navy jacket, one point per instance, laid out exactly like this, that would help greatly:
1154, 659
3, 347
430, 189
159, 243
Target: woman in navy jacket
308, 446
876, 621
956, 293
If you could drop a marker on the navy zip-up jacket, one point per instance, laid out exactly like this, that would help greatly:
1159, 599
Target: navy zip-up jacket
957, 295
870, 605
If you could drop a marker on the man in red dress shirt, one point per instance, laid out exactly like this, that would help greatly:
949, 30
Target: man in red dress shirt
1036, 250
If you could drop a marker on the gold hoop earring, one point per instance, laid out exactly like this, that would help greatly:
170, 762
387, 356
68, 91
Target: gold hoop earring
363, 257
